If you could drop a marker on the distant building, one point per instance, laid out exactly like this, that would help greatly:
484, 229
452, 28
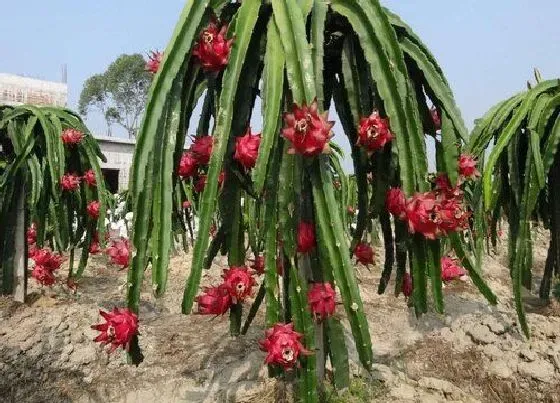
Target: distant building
18, 90
119, 153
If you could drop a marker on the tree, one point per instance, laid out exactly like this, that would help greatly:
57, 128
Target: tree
299, 57
119, 93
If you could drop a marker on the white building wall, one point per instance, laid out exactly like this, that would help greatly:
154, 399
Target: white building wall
17, 90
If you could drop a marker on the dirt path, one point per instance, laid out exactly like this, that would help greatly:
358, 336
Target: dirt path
473, 353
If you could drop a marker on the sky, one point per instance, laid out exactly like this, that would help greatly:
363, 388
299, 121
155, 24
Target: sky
487, 48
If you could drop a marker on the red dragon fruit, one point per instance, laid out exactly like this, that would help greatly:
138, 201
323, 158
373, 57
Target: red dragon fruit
43, 275
351, 210
321, 300
364, 253
422, 216
247, 149
120, 326
70, 182
258, 265
307, 130
94, 247
407, 285
154, 60
45, 258
93, 209
396, 203
451, 269
239, 283
201, 149
188, 165
214, 300
305, 237
89, 178
451, 215
374, 132
187, 204
71, 136
119, 252
435, 118
213, 47
31, 234
283, 346
467, 167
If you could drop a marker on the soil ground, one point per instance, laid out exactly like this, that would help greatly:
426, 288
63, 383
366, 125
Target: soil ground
473, 353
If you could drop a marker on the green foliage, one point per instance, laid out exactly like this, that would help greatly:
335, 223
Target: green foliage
520, 178
119, 93
36, 158
353, 53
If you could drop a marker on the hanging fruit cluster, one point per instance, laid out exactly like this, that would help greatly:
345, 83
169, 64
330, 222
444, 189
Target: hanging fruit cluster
53, 161
282, 194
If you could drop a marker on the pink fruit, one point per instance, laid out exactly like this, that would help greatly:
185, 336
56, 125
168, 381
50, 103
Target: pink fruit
239, 282
374, 132
213, 48
321, 299
283, 346
247, 149
364, 253
305, 237
71, 136
70, 182
120, 326
214, 300
307, 130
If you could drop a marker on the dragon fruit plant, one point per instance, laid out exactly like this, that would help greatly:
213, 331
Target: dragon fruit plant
53, 161
521, 180
275, 192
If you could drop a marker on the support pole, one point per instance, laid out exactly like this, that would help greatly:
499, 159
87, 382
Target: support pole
20, 248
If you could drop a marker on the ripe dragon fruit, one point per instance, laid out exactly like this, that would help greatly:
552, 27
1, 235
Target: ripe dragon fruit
305, 237
364, 254
396, 203
283, 346
94, 247
374, 132
45, 258
71, 137
247, 149
422, 216
213, 47
89, 178
43, 275
214, 300
467, 167
451, 269
70, 182
239, 282
93, 209
201, 149
120, 326
307, 130
188, 165
259, 265
31, 234
321, 299
187, 204
119, 252
154, 61
45, 264
407, 285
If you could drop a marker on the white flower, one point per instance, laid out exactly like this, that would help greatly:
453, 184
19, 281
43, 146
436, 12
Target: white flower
129, 216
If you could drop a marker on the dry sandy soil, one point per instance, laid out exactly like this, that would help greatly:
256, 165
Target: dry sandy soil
472, 353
